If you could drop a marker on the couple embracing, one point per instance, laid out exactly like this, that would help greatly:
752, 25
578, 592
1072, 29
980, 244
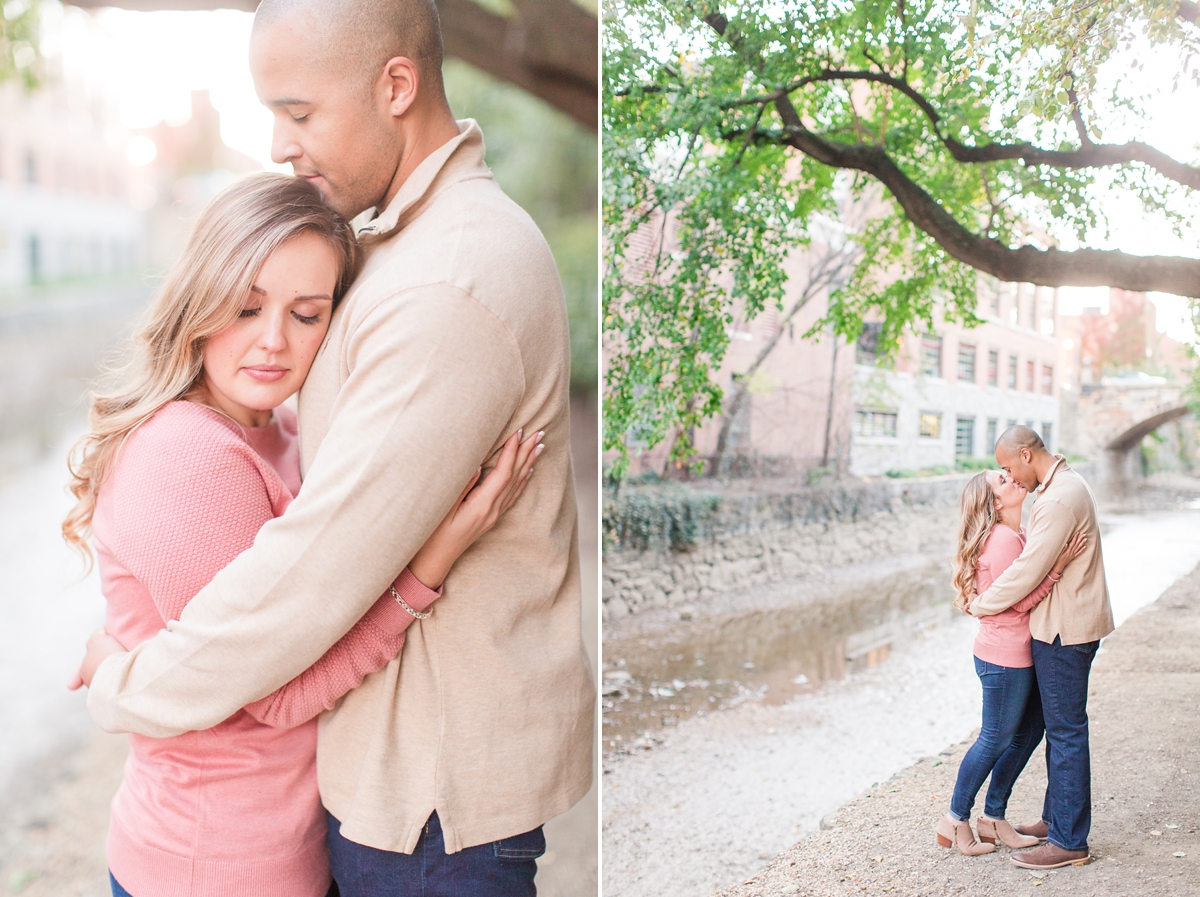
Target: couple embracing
347, 646
1042, 603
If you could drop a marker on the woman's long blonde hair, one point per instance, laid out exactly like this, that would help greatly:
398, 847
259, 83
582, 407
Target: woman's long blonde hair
204, 292
978, 508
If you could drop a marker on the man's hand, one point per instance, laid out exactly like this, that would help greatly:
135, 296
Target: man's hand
100, 646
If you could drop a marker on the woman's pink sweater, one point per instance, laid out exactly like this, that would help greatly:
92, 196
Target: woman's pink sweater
232, 811
1003, 638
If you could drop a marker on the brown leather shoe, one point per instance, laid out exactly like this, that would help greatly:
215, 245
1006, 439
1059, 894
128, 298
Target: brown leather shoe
1050, 856
1039, 830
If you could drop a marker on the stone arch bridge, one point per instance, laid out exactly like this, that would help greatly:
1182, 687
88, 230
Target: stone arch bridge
1112, 418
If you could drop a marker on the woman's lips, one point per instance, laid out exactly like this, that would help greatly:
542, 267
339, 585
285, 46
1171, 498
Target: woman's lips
266, 373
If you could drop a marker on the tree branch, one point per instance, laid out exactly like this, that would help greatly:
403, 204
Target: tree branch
1077, 116
1188, 11
1090, 155
1081, 267
1052, 268
549, 49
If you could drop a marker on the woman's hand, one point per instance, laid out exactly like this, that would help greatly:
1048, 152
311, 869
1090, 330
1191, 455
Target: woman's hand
477, 509
1071, 550
99, 647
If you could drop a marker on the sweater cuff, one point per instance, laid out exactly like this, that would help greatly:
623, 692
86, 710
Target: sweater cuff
1052, 575
387, 613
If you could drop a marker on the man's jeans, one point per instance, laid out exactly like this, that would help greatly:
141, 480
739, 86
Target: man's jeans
1006, 691
1062, 673
501, 869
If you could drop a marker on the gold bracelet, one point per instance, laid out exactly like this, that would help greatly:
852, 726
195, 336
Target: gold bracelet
404, 604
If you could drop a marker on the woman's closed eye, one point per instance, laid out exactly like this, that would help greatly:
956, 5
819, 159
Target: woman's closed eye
307, 319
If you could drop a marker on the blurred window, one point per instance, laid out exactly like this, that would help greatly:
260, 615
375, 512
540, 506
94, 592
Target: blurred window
873, 422
931, 425
966, 362
964, 437
931, 355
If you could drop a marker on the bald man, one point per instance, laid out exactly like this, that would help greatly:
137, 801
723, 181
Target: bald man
439, 771
1066, 628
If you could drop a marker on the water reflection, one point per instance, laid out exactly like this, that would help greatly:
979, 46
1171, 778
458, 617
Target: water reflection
694, 667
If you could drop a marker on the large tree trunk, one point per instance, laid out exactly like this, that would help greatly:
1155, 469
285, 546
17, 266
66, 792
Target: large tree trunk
549, 49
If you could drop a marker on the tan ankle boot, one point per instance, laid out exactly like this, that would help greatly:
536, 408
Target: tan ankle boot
952, 833
993, 830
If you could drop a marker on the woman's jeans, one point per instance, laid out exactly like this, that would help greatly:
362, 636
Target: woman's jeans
117, 890
1004, 744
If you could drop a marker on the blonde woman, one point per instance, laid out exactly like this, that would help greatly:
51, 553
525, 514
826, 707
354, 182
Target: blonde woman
990, 538
187, 458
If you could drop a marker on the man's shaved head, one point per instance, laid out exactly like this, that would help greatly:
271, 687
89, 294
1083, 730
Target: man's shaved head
1016, 438
356, 37
355, 89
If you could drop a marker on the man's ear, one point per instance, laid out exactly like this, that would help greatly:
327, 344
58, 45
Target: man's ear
401, 81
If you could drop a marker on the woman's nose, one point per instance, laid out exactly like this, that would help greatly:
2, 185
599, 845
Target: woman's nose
272, 337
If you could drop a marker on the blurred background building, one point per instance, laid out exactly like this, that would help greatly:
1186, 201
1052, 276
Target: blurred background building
816, 407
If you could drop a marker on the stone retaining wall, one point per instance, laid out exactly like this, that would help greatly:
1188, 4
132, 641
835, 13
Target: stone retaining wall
674, 545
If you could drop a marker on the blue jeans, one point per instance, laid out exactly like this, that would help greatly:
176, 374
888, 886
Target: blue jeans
501, 869
1006, 692
1062, 675
117, 890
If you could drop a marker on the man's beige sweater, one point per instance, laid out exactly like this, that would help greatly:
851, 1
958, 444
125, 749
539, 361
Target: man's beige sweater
1078, 609
454, 335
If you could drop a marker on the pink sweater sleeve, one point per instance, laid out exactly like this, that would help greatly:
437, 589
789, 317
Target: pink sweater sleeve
1030, 601
186, 513
1001, 549
368, 647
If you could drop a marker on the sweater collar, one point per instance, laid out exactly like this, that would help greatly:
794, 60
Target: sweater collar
458, 159
1060, 462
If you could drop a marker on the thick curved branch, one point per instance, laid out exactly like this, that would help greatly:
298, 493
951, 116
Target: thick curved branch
1188, 11
1052, 268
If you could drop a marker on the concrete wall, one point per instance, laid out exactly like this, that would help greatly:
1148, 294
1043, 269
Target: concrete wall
670, 546
51, 346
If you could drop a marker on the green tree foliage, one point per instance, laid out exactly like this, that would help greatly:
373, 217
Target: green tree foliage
18, 41
547, 163
733, 133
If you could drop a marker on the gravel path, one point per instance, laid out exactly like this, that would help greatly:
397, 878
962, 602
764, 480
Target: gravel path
1145, 761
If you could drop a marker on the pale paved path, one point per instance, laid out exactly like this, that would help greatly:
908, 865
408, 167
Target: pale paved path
1146, 769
